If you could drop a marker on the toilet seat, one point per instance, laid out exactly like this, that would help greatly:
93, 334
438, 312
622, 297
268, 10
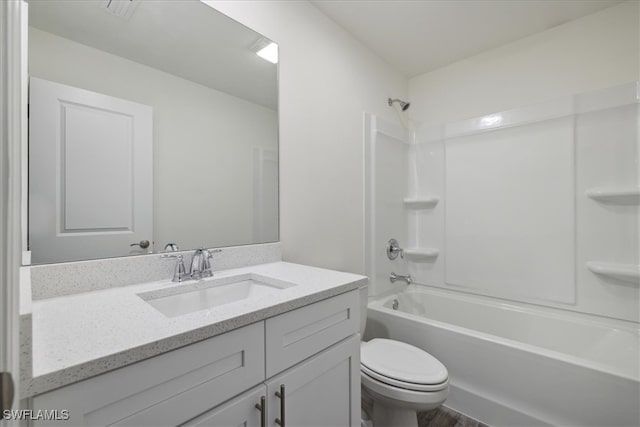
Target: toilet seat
401, 384
402, 365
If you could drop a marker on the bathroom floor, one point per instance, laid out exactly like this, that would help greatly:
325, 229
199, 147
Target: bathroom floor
440, 417
445, 417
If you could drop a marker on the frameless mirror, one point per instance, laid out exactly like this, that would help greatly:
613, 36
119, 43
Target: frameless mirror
151, 123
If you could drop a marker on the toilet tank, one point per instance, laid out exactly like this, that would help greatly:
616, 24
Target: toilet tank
364, 298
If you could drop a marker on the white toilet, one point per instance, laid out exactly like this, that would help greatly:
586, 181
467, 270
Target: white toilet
401, 379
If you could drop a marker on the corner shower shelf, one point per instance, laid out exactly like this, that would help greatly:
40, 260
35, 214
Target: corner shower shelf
618, 195
421, 202
626, 272
421, 253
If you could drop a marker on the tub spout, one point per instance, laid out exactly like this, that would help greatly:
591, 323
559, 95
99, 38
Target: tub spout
393, 277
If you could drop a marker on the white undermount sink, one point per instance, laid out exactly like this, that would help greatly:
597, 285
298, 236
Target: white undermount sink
209, 293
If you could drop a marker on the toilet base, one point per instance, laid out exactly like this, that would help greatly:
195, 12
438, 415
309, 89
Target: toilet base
392, 407
393, 416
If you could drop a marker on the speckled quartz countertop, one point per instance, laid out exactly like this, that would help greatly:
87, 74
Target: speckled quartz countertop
78, 336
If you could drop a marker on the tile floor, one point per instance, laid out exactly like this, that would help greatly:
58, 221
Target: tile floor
445, 417
440, 417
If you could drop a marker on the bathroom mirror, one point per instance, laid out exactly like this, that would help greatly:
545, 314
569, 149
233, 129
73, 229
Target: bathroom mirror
151, 123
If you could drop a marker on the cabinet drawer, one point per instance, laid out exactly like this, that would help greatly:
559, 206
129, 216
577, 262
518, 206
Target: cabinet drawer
168, 389
294, 336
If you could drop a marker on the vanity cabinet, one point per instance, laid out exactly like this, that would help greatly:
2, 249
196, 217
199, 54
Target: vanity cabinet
311, 353
321, 391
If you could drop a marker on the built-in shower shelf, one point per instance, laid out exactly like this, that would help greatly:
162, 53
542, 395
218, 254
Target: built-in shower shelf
626, 272
618, 195
421, 253
421, 202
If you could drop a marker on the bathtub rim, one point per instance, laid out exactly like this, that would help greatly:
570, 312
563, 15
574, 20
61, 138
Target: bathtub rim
377, 304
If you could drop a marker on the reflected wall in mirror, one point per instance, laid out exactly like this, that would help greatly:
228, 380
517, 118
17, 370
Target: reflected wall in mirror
149, 122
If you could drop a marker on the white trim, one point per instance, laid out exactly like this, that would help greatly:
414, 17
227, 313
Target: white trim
391, 130
24, 187
368, 148
13, 60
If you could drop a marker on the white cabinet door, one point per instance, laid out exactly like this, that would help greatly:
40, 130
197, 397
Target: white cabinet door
90, 173
243, 411
323, 391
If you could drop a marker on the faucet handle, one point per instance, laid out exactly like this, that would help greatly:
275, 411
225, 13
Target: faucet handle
179, 271
208, 255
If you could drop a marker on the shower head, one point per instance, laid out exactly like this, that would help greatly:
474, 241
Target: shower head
404, 105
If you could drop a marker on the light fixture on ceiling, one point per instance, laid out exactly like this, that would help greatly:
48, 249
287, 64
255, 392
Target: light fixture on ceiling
266, 49
491, 121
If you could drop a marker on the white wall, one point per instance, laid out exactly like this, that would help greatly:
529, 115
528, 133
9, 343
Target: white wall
327, 80
203, 140
594, 52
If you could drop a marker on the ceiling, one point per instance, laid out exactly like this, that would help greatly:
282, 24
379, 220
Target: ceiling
185, 38
416, 37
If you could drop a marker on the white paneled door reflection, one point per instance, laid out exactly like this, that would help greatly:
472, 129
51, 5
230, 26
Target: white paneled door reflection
90, 173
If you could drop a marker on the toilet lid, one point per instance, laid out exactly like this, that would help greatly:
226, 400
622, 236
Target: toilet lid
401, 361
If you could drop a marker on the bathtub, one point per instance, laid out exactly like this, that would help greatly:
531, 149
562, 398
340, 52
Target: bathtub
520, 365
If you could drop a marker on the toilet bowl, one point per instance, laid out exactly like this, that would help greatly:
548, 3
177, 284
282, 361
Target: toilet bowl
399, 378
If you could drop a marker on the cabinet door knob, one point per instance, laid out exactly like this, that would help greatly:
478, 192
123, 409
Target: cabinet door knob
281, 395
263, 413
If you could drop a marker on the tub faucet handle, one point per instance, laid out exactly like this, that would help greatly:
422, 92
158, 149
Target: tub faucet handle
393, 249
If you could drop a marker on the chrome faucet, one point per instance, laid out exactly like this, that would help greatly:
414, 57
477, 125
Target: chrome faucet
198, 263
393, 277
201, 263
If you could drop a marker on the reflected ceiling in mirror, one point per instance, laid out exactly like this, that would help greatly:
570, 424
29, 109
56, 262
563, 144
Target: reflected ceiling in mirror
156, 122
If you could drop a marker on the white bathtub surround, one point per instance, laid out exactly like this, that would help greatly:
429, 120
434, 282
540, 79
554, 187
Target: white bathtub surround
509, 228
589, 55
533, 300
515, 364
530, 228
79, 336
386, 173
55, 280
